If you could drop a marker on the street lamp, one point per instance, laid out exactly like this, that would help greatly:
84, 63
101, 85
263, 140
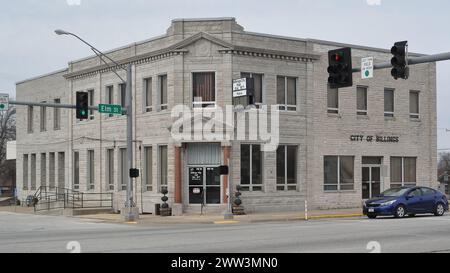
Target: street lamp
130, 212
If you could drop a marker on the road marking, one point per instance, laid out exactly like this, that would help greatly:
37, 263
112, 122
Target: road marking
225, 222
131, 223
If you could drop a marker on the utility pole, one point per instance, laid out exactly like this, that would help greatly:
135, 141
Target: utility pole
130, 212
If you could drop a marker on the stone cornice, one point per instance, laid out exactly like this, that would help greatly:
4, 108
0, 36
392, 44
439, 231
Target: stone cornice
272, 54
179, 48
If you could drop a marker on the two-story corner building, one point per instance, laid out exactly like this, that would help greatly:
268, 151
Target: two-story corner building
336, 147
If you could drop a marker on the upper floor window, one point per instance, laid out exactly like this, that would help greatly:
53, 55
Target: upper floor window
162, 88
361, 101
287, 93
414, 104
122, 94
43, 118
57, 115
147, 95
258, 79
388, 102
204, 89
109, 96
91, 103
333, 100
30, 119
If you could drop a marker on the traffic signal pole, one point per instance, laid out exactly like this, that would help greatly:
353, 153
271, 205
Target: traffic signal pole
412, 61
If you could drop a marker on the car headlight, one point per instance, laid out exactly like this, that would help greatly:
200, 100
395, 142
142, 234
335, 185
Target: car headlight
388, 203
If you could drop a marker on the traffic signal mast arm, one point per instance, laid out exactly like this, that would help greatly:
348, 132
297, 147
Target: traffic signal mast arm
413, 61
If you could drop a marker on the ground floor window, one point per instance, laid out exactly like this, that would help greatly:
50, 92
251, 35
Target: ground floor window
148, 165
25, 172
403, 171
251, 167
338, 173
110, 169
76, 170
123, 169
163, 167
90, 169
286, 168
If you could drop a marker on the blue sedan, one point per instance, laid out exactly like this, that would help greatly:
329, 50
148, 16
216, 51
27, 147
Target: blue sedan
404, 201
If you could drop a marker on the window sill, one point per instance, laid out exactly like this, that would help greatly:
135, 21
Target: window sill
341, 191
415, 119
390, 118
334, 115
365, 117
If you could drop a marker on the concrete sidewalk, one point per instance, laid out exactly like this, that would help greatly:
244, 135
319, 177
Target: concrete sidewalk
218, 218
149, 219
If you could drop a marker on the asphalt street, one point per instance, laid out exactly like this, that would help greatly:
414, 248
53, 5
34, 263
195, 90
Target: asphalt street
35, 233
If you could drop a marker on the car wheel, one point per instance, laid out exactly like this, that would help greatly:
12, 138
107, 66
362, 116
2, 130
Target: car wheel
372, 216
400, 211
439, 210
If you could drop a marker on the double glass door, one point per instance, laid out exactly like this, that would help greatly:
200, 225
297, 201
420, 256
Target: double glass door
204, 185
371, 181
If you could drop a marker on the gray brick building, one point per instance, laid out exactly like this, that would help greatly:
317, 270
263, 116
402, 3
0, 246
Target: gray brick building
337, 147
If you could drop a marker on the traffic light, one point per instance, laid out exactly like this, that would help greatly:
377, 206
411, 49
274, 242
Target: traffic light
400, 60
340, 68
82, 105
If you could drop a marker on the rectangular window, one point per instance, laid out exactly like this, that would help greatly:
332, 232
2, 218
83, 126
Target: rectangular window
287, 93
333, 100
43, 169
90, 170
361, 101
91, 103
287, 168
56, 116
148, 174
258, 79
33, 172
251, 167
204, 89
51, 170
162, 79
123, 169
122, 94
338, 173
403, 171
148, 103
110, 169
30, 119
61, 170
163, 167
389, 102
109, 96
43, 116
414, 104
25, 172
76, 170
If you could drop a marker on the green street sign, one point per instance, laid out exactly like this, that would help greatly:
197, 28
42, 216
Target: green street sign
110, 109
4, 102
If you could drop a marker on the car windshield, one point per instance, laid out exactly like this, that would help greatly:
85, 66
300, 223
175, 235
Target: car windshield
394, 192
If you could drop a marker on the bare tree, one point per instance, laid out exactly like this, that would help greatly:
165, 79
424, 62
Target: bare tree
444, 163
7, 133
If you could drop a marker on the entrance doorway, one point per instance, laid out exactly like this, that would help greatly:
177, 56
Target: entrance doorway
204, 185
371, 177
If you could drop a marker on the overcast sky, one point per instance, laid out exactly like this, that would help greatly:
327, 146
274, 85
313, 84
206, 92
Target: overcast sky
29, 48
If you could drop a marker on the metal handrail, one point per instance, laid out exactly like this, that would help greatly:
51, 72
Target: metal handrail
50, 196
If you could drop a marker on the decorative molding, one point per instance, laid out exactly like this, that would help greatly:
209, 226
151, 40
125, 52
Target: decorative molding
179, 49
